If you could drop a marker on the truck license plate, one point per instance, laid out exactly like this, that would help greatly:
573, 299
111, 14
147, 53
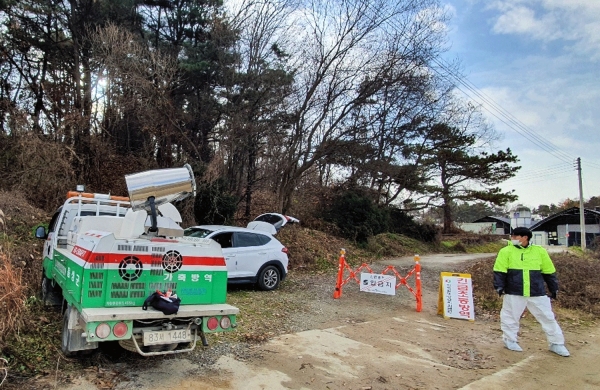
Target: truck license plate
167, 336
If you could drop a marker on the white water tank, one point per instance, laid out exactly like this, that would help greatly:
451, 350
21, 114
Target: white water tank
520, 216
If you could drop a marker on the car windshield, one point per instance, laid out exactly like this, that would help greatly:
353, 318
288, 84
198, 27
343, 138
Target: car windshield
196, 232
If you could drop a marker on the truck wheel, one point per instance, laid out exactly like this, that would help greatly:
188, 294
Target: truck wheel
65, 335
51, 295
269, 278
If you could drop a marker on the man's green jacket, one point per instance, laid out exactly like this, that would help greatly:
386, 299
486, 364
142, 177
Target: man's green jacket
523, 271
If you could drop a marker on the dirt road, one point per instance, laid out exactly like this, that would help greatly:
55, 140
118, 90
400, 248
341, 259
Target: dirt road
373, 341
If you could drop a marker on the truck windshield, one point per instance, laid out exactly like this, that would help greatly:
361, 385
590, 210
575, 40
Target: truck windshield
196, 232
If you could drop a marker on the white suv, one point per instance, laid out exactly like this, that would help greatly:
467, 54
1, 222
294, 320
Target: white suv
252, 254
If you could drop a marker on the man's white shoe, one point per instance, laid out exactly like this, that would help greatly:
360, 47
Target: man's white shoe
513, 346
559, 349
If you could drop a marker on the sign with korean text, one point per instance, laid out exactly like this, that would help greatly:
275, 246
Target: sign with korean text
456, 296
378, 283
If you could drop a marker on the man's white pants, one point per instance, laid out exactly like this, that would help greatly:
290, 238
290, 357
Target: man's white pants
513, 307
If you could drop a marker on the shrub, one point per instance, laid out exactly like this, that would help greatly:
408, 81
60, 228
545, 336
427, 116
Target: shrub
213, 204
357, 216
577, 280
404, 224
595, 244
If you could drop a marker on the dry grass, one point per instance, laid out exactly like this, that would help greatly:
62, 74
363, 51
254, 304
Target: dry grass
578, 284
394, 245
311, 249
12, 296
17, 241
12, 292
20, 261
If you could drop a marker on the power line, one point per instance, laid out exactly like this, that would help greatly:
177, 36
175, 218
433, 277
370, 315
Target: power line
511, 121
548, 178
548, 173
550, 167
521, 128
540, 173
591, 164
541, 170
541, 179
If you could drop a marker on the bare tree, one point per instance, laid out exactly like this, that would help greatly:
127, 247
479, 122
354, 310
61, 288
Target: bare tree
346, 53
49, 72
260, 84
138, 82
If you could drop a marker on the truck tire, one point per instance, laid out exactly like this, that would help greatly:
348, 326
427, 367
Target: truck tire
269, 278
51, 294
64, 344
71, 339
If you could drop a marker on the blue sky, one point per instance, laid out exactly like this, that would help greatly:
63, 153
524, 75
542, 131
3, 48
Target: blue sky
536, 66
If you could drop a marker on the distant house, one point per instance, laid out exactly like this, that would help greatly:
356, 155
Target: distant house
489, 225
563, 228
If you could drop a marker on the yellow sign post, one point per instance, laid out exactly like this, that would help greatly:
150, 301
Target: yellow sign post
456, 296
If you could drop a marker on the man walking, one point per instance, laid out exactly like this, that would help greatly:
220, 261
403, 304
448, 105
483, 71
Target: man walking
520, 272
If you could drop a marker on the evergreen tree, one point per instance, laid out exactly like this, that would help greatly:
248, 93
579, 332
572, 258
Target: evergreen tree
463, 172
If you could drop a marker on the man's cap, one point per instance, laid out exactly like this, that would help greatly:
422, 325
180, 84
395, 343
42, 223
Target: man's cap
521, 231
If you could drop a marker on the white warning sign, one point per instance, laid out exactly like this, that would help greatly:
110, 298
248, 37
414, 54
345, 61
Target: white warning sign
378, 283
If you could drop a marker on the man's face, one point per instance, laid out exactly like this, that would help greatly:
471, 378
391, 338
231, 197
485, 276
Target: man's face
524, 240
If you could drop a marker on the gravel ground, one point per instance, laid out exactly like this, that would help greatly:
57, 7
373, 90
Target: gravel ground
303, 302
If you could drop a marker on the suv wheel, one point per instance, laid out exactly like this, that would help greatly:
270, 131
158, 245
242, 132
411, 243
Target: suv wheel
269, 278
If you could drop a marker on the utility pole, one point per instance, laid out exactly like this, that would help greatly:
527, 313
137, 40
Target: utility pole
581, 209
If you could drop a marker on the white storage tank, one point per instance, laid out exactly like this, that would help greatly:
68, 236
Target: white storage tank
520, 216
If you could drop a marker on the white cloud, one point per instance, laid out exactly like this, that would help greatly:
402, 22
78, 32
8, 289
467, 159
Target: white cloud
558, 109
573, 21
559, 106
541, 67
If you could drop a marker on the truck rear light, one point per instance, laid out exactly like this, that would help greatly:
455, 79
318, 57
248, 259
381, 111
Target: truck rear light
103, 330
284, 250
212, 323
225, 322
120, 329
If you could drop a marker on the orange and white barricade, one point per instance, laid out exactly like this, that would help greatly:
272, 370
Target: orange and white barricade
402, 280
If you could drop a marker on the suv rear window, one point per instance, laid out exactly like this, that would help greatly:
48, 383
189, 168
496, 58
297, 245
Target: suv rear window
243, 239
270, 218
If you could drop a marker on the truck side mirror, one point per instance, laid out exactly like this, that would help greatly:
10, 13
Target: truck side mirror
40, 232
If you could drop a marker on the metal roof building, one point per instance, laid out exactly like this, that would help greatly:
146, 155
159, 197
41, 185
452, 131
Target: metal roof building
563, 228
502, 224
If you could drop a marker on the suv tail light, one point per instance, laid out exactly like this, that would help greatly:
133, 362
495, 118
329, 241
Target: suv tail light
284, 250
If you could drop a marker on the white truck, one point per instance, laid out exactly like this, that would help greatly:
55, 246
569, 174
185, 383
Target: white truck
104, 255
